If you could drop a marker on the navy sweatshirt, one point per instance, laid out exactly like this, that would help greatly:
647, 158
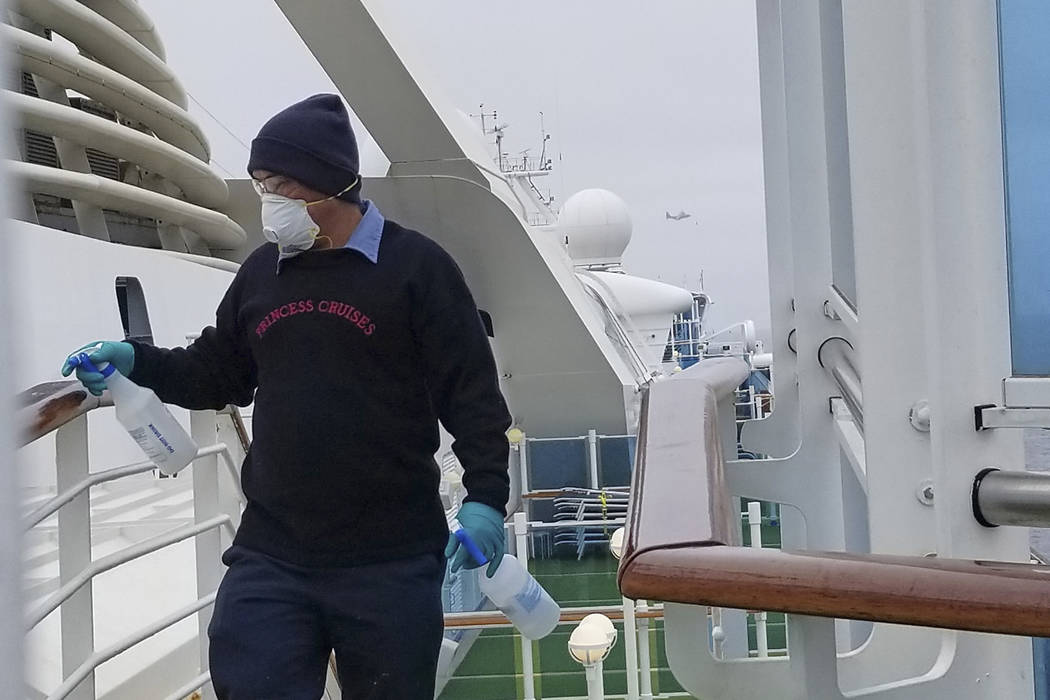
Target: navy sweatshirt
351, 365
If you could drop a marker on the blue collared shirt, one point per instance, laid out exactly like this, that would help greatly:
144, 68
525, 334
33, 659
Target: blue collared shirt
366, 236
369, 231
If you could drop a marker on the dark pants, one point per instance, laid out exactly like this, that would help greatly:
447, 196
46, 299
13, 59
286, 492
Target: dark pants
274, 625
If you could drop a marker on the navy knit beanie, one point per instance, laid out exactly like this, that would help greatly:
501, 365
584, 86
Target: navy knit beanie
311, 142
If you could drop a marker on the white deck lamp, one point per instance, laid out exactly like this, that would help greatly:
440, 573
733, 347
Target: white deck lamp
589, 644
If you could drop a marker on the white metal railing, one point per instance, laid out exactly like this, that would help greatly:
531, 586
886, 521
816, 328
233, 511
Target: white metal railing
214, 515
87, 668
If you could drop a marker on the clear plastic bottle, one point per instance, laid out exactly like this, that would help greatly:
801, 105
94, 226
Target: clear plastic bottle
516, 593
146, 419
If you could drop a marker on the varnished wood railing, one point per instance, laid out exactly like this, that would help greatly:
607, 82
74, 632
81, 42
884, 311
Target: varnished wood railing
681, 528
49, 406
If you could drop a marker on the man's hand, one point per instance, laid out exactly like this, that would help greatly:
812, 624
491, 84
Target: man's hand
484, 525
120, 355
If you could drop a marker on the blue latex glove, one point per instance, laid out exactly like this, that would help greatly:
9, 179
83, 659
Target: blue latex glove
484, 525
120, 355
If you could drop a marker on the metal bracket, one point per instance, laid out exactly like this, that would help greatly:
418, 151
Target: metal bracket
988, 416
1026, 404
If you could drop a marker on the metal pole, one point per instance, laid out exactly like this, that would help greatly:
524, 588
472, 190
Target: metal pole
521, 530
754, 520
836, 356
592, 458
595, 681
1011, 498
630, 642
523, 463
74, 553
208, 545
644, 664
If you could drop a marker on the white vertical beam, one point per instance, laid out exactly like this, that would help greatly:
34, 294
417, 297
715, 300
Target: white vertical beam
592, 458
778, 435
964, 262
521, 548
74, 553
10, 531
885, 87
208, 545
645, 666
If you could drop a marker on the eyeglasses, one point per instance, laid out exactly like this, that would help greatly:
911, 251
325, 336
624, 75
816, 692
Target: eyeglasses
274, 184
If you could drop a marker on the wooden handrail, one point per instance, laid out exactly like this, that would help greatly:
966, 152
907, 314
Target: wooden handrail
47, 407
979, 596
681, 529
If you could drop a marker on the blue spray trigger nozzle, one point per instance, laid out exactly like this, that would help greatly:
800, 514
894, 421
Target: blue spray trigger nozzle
84, 360
472, 548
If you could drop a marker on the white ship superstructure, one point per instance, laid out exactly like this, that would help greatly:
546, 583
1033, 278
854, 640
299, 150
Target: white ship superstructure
902, 230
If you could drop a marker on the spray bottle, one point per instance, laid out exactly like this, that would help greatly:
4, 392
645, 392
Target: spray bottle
515, 592
146, 419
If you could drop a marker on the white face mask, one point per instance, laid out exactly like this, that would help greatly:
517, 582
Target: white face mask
287, 223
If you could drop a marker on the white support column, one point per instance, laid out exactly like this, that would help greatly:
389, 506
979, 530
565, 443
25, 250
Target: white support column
521, 542
644, 662
208, 545
74, 553
754, 521
523, 465
592, 458
11, 633
630, 648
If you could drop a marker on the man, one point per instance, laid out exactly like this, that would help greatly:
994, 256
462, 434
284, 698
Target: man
355, 336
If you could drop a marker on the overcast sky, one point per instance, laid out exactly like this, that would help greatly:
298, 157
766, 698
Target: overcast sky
657, 102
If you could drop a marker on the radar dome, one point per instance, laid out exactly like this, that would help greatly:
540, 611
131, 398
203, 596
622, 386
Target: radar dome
596, 225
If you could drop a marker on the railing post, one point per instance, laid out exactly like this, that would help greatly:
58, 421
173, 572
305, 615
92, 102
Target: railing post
630, 648
74, 553
644, 663
592, 458
521, 534
754, 520
208, 544
523, 464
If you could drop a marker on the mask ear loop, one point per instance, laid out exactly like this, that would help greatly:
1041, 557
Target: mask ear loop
338, 194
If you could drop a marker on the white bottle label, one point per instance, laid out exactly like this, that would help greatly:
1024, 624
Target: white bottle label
529, 597
153, 448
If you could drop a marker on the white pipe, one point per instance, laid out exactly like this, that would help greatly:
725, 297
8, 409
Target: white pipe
108, 43
595, 681
644, 663
630, 648
754, 520
592, 458
523, 464
521, 543
194, 176
48, 509
218, 230
38, 56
